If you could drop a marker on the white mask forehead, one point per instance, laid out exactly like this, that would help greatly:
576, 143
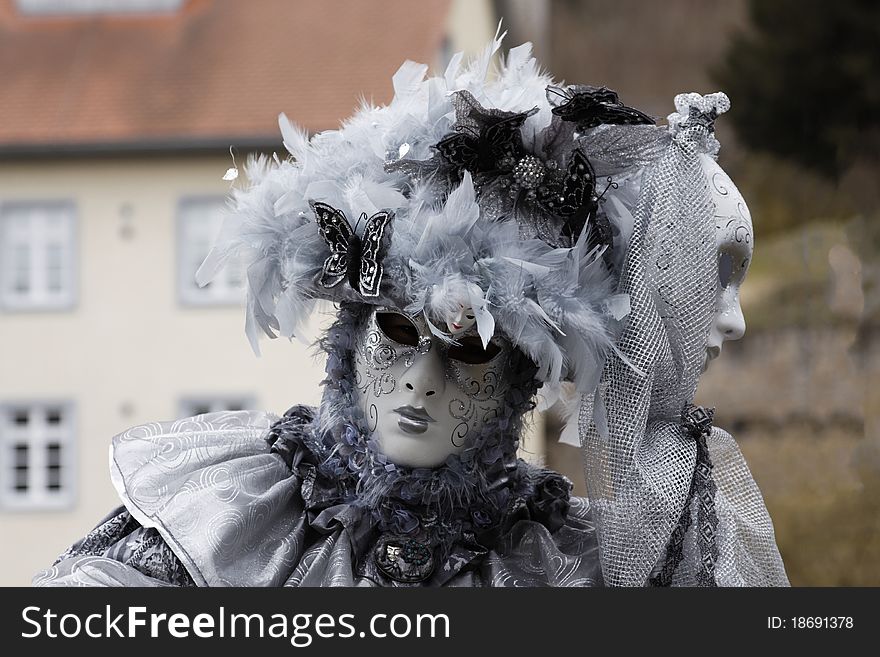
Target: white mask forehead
733, 220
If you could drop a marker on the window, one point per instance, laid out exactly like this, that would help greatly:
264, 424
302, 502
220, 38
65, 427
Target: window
190, 406
198, 222
36, 456
37, 256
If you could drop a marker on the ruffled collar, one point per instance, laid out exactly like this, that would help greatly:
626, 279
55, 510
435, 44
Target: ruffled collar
470, 494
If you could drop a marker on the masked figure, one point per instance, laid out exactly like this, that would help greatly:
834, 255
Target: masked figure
480, 240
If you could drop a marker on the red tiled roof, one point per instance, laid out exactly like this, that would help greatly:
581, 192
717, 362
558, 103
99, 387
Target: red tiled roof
216, 70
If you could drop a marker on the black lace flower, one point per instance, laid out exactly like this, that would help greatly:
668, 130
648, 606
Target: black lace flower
484, 141
549, 188
482, 518
401, 520
550, 502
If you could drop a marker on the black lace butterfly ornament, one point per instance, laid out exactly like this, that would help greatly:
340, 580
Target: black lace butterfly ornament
588, 107
486, 141
352, 257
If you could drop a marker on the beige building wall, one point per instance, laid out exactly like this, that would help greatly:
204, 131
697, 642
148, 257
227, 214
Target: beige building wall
470, 26
128, 351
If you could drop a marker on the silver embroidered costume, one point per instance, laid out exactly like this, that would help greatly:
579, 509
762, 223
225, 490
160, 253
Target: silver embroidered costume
485, 206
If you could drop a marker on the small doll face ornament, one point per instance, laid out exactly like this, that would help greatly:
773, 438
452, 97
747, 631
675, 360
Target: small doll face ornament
423, 398
460, 321
733, 233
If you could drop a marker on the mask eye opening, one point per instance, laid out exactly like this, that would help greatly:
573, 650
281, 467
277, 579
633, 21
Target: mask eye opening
469, 350
397, 328
725, 269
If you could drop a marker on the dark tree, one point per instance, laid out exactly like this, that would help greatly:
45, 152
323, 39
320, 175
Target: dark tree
804, 80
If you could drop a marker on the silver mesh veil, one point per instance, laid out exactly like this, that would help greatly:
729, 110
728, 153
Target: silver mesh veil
641, 462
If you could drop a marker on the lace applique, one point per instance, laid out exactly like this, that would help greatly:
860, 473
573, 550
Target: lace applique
122, 538
112, 529
675, 547
697, 422
151, 556
707, 518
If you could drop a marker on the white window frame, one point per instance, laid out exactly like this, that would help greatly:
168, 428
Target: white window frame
188, 405
201, 217
30, 223
38, 434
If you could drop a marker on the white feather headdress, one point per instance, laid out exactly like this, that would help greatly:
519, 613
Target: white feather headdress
460, 233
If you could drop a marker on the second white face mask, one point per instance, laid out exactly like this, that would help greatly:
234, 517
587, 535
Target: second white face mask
734, 240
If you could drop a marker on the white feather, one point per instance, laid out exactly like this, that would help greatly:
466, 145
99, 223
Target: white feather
296, 139
408, 79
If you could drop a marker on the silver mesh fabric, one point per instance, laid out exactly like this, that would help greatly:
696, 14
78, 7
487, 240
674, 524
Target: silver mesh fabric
746, 542
639, 459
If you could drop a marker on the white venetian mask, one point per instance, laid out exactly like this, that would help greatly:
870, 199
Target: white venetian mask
733, 233
423, 398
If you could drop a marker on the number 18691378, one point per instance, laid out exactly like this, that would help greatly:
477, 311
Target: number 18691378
810, 623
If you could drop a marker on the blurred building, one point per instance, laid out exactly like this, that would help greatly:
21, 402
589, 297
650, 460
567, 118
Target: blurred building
797, 392
117, 120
